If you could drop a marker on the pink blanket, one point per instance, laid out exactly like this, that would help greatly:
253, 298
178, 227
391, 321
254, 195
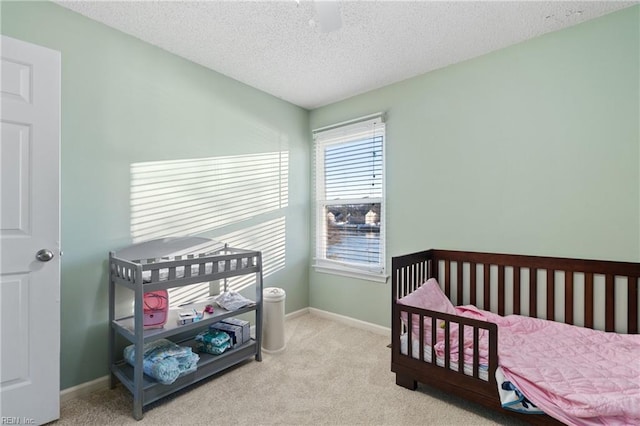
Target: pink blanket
577, 375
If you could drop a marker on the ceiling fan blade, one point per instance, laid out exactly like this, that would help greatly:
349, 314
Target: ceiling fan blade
329, 15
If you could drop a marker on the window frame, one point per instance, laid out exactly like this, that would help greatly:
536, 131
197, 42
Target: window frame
343, 133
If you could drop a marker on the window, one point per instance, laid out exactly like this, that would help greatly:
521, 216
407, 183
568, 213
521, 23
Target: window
349, 214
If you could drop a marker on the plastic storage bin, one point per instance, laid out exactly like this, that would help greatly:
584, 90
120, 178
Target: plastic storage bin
273, 299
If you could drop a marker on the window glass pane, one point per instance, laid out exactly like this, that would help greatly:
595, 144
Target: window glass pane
353, 233
354, 169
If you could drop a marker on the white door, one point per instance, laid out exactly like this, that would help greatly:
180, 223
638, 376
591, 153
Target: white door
29, 223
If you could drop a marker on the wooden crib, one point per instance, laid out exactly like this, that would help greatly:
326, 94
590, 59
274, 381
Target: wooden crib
596, 294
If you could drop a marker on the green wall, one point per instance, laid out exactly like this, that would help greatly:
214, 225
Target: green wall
126, 102
532, 149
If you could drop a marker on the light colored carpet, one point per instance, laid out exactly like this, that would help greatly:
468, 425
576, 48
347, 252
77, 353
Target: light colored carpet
329, 374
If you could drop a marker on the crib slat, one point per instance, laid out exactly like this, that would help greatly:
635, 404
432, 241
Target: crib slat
588, 300
551, 294
533, 292
459, 298
493, 351
486, 285
568, 297
632, 305
476, 354
433, 339
447, 278
501, 290
461, 348
426, 271
447, 345
472, 283
409, 333
414, 278
421, 338
407, 280
516, 290
609, 303
435, 269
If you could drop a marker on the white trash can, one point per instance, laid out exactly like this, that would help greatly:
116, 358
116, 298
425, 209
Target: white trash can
273, 319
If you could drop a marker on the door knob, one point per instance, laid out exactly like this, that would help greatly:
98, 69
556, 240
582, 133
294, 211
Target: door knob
44, 255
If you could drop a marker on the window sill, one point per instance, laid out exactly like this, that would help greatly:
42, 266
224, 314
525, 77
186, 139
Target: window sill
351, 273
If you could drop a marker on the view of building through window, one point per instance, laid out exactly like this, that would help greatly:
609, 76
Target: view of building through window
353, 232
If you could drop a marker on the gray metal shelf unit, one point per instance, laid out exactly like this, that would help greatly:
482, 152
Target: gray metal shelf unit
154, 266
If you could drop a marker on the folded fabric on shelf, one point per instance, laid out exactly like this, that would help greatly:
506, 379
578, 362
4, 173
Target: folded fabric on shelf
164, 360
213, 342
231, 300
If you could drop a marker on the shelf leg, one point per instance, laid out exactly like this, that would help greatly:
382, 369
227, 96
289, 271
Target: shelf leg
138, 372
112, 331
112, 381
137, 409
259, 307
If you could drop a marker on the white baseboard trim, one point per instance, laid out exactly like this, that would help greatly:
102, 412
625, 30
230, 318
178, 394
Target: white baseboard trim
84, 388
374, 328
102, 383
297, 313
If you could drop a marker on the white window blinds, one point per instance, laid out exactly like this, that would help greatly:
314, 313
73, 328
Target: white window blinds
354, 169
349, 174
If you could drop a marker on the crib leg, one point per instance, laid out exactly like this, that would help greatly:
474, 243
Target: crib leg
406, 381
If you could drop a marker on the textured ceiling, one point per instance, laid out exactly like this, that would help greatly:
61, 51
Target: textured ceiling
281, 48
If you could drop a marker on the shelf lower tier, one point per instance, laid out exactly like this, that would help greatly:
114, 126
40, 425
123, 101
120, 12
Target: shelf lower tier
207, 366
